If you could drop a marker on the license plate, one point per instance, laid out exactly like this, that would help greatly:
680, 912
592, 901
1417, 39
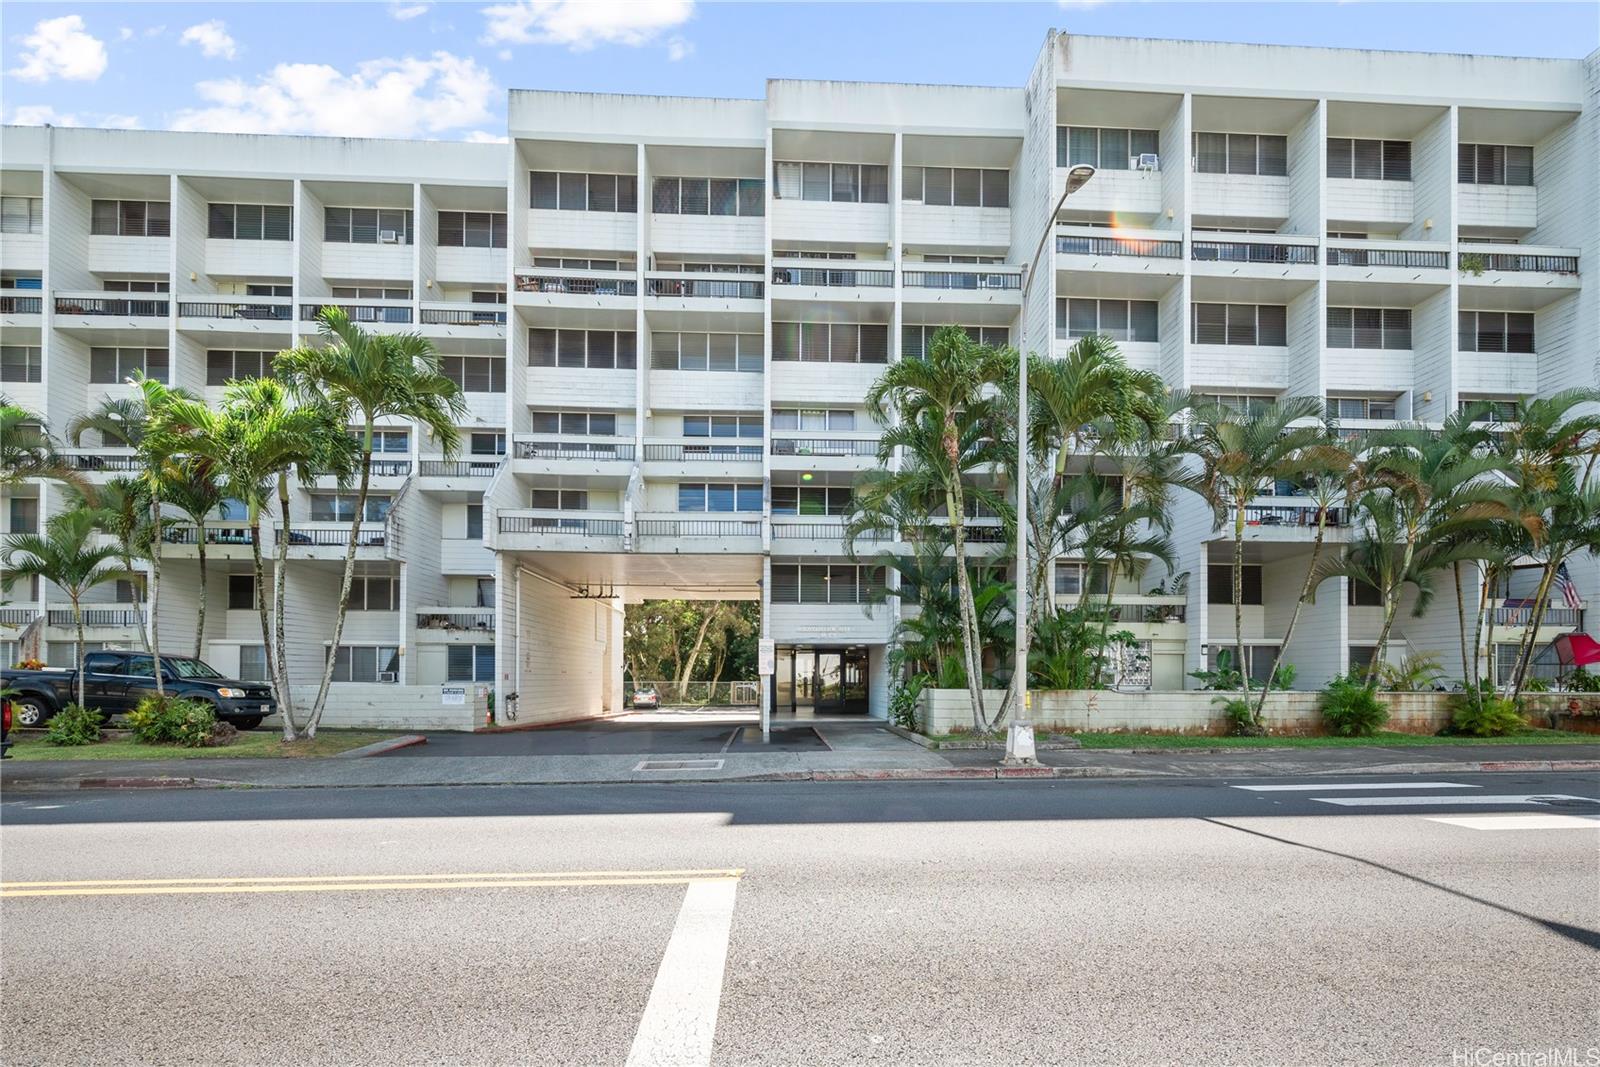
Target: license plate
266, 709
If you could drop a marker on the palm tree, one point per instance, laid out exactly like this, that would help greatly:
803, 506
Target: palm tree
191, 488
247, 446
66, 556
938, 410
122, 513
1090, 399
27, 451
1241, 454
366, 377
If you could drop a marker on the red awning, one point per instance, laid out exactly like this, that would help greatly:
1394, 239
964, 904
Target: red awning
1577, 650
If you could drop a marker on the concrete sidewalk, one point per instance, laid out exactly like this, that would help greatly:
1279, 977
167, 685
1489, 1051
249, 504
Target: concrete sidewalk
853, 754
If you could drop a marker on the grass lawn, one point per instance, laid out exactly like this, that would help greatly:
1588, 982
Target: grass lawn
1383, 739
252, 744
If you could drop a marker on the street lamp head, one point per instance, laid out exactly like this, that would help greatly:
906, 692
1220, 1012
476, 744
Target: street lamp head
1078, 177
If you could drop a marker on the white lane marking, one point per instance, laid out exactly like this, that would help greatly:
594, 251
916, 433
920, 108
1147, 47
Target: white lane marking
1476, 798
1355, 785
1520, 822
680, 1019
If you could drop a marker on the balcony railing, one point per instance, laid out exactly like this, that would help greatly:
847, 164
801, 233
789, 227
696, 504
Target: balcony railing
705, 288
556, 449
974, 532
1520, 613
696, 452
823, 446
255, 308
18, 616
103, 461
155, 306
21, 305
96, 617
470, 315
1406, 258
389, 468
335, 534
1516, 262
456, 619
570, 523
1243, 252
962, 279
459, 468
1118, 246
576, 286
823, 529
823, 276
189, 534
388, 313
699, 527
1290, 515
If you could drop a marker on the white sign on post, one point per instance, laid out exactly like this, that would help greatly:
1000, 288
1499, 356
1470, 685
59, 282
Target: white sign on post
767, 657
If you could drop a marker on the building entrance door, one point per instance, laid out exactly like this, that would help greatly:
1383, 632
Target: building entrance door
819, 681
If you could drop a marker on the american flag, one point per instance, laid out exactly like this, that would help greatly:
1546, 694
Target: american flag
1569, 591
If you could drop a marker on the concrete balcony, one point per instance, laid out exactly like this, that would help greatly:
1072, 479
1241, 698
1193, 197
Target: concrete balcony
707, 235
21, 308
1526, 278
679, 534
232, 258
614, 389
1265, 367
823, 535
115, 254
1253, 256
608, 231
102, 311
712, 390
824, 453
388, 316
1507, 207
1515, 373
1239, 196
127, 617
469, 266
454, 319
100, 464
1515, 615
578, 456
697, 292
541, 530
939, 225
1147, 617
1085, 255
251, 322
845, 285
1366, 200
1381, 262
701, 458
432, 621
964, 288
1120, 192
1284, 518
223, 540
821, 220
472, 473
328, 540
821, 382
584, 289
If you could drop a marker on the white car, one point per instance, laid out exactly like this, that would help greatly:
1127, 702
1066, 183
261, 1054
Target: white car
646, 697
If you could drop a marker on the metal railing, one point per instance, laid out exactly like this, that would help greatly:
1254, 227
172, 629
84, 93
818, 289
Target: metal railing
575, 526
459, 468
825, 530
1411, 259
712, 288
236, 309
388, 313
96, 617
1289, 515
148, 307
18, 616
572, 450
97, 461
458, 619
336, 535
699, 528
21, 305
1118, 246
824, 276
462, 317
1513, 261
189, 534
823, 446
389, 468
556, 283
703, 694
714, 453
1242, 252
1514, 613
962, 279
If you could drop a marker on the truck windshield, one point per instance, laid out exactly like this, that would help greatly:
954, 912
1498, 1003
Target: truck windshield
193, 668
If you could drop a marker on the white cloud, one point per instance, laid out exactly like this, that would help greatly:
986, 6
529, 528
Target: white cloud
125, 33
61, 48
406, 12
381, 98
582, 24
484, 137
40, 114
213, 39
679, 48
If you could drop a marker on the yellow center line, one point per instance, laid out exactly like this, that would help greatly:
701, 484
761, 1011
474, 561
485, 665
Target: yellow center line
678, 875
334, 887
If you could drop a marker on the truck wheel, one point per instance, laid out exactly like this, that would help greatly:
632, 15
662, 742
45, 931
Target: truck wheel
249, 722
30, 711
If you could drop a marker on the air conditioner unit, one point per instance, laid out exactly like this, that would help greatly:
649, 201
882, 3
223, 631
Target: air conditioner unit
389, 237
1146, 161
386, 676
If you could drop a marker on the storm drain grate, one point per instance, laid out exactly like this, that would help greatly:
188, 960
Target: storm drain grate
679, 765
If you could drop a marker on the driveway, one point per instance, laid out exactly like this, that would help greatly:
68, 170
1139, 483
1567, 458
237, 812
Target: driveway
614, 737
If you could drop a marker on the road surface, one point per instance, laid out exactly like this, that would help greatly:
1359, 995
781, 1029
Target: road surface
1362, 920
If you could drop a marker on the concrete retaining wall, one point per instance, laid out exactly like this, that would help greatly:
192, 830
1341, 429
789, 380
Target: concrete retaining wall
397, 707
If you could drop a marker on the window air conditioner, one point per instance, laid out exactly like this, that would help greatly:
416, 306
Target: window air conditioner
1147, 161
389, 237
386, 676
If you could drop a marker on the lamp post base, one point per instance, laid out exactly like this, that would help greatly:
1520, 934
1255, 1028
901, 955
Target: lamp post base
1019, 745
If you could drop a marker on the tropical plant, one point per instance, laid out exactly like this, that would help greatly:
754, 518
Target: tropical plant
366, 377
1241, 455
73, 725
27, 450
1237, 714
1419, 672
121, 511
192, 488
164, 720
1490, 716
67, 556
1090, 399
1351, 708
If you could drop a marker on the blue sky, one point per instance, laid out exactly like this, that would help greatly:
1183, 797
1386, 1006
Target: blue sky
440, 70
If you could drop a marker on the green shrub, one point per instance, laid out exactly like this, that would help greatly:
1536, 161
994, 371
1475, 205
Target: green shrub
172, 721
1351, 708
73, 725
1491, 716
903, 701
1581, 681
1241, 723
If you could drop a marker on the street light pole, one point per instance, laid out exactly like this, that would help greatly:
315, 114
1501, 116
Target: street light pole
1019, 735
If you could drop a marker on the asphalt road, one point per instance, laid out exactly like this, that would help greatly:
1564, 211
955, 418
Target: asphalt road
1194, 922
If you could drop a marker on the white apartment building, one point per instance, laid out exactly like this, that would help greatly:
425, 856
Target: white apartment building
665, 312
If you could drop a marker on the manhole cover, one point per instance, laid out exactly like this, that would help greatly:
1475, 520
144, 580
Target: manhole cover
679, 765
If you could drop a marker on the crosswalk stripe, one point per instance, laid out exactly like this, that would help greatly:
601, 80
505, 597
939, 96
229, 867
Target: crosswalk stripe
1520, 822
1323, 788
680, 1019
1438, 801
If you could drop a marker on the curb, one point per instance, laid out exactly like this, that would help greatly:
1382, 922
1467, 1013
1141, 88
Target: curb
378, 748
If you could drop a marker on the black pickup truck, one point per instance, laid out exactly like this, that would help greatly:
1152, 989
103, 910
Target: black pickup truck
115, 682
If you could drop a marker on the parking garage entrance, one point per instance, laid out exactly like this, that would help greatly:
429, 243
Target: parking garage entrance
820, 681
